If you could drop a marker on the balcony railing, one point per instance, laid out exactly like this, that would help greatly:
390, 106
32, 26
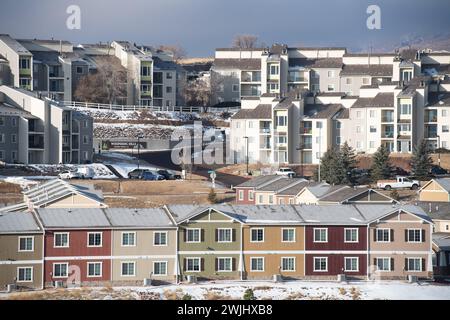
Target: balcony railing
265, 146
297, 79
304, 146
431, 135
431, 119
264, 130
388, 134
305, 130
387, 119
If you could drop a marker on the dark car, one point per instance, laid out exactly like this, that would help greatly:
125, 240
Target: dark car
136, 173
437, 170
166, 174
397, 171
151, 175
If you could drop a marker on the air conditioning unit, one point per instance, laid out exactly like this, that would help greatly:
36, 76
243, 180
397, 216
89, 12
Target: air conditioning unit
147, 282
191, 279
11, 287
341, 278
412, 278
277, 278
58, 284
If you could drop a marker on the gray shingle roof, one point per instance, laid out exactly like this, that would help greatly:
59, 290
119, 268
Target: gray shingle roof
436, 210
151, 217
375, 70
259, 181
262, 111
242, 64
381, 100
281, 184
444, 183
18, 222
72, 218
439, 100
295, 189
329, 63
442, 240
322, 111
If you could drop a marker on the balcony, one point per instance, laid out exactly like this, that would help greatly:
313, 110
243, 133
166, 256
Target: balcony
264, 130
35, 125
387, 134
265, 146
387, 118
55, 72
254, 76
35, 142
306, 146
305, 130
431, 116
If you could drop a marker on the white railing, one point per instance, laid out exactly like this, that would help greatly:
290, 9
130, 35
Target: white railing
118, 107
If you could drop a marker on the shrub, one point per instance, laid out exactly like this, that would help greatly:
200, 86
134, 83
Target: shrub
394, 195
187, 297
248, 294
212, 196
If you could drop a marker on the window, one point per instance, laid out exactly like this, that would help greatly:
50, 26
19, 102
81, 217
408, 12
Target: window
2, 138
13, 155
281, 121
224, 264
2, 155
24, 63
2, 121
365, 80
351, 235
358, 144
373, 129
128, 269
85, 123
25, 274
14, 121
160, 238
348, 80
24, 82
372, 113
260, 198
371, 144
235, 88
338, 140
288, 235
241, 195
145, 88
274, 69
79, 70
445, 128
320, 235
414, 235
251, 195
320, 264
351, 264
85, 155
358, 129
168, 103
193, 264
383, 235
330, 73
14, 138
287, 264
160, 268
168, 89
317, 140
94, 239
330, 87
444, 113
383, 264
257, 235
250, 124
94, 269
319, 125
358, 114
169, 75
60, 270
61, 240
128, 239
270, 199
85, 139
338, 125
282, 139
26, 244
413, 264
405, 109
145, 71
224, 235
193, 235
257, 264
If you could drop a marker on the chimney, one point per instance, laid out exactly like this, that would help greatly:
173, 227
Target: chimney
429, 207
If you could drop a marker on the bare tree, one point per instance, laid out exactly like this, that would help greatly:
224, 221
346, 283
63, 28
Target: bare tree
178, 51
107, 85
245, 41
200, 92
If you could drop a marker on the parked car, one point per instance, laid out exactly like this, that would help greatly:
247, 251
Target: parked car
398, 183
398, 171
285, 171
72, 174
137, 173
166, 174
86, 172
437, 171
152, 175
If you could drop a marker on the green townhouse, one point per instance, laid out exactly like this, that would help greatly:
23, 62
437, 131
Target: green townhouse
209, 243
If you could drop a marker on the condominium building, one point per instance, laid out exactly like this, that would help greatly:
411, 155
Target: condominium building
35, 130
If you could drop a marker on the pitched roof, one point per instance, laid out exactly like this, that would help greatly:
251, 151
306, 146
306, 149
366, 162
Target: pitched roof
18, 222
280, 214
284, 103
444, 183
56, 189
382, 99
294, 189
344, 114
322, 111
436, 210
281, 184
441, 99
262, 111
375, 70
259, 181
442, 240
347, 193
242, 64
72, 218
316, 63
149, 217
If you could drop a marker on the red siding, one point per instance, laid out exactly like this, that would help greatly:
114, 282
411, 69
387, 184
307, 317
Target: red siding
246, 199
78, 244
335, 265
335, 239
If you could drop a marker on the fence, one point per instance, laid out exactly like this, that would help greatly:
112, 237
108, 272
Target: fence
117, 107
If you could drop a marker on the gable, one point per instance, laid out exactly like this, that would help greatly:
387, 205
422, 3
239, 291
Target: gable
370, 196
75, 201
209, 215
433, 186
401, 216
306, 196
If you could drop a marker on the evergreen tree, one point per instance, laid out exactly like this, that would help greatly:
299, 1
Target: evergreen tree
421, 161
212, 196
348, 162
329, 166
381, 168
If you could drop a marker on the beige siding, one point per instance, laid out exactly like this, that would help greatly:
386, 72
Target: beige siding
434, 192
76, 201
306, 197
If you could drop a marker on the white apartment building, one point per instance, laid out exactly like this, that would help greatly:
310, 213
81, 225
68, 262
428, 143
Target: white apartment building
383, 99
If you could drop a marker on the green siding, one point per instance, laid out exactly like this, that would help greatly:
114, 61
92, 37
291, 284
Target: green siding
208, 266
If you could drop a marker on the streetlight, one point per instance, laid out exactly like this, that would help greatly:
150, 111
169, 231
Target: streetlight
139, 148
246, 151
439, 148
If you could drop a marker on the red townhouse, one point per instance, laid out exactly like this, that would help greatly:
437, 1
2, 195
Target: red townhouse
77, 246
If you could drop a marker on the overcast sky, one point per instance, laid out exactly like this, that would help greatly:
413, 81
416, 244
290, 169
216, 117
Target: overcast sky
202, 25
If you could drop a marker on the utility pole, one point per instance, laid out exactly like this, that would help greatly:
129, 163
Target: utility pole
439, 149
246, 152
139, 149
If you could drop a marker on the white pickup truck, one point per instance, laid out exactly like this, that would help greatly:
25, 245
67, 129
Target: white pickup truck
398, 183
285, 172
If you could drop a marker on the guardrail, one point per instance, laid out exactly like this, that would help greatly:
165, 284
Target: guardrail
117, 107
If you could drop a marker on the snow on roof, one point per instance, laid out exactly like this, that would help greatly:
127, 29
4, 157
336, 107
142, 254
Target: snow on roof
17, 222
149, 217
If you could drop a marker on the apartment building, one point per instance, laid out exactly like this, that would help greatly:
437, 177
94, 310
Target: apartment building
36, 130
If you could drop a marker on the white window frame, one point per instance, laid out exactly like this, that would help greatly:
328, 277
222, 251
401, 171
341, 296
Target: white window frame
224, 229
32, 244
413, 229
420, 264
383, 258
345, 235
199, 264
154, 238
257, 258
251, 195
251, 235
61, 233
18, 273
224, 258
282, 235
241, 195
383, 229
199, 235
320, 241
101, 240
94, 276
67, 270
351, 258
134, 268
286, 270
314, 264
160, 274
134, 239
